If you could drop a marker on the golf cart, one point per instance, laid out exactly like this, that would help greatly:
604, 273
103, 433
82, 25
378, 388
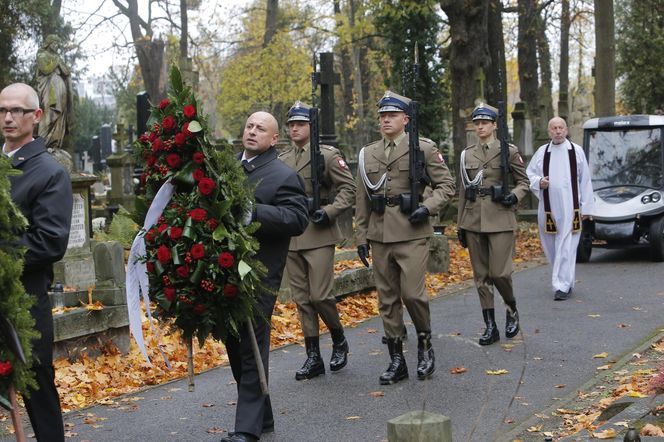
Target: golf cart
626, 161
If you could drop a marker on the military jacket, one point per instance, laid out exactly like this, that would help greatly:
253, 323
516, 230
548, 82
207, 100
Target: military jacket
484, 215
393, 225
337, 194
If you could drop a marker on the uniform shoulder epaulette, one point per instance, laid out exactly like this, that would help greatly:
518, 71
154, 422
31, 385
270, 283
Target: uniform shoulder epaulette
285, 151
470, 147
427, 140
330, 148
372, 143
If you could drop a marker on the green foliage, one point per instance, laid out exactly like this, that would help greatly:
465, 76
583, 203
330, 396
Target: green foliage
14, 302
270, 78
640, 54
88, 118
402, 25
200, 257
122, 229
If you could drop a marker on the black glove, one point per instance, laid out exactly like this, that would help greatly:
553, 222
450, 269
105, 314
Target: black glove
509, 200
363, 253
320, 217
461, 234
420, 215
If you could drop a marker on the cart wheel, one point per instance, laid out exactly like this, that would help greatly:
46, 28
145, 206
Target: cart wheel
656, 239
585, 247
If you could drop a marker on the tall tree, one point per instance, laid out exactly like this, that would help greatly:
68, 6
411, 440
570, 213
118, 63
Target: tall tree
545, 91
605, 52
641, 55
563, 73
271, 21
496, 75
527, 55
468, 54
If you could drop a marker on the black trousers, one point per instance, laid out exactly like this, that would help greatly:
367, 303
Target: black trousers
254, 409
43, 405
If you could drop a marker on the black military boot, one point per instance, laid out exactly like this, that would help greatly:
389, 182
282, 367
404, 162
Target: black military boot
339, 350
511, 320
425, 358
313, 366
397, 369
491, 334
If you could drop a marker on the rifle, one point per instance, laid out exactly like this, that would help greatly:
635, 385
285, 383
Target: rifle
498, 192
317, 162
416, 163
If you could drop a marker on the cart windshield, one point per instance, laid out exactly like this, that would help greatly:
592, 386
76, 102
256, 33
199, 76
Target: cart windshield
620, 157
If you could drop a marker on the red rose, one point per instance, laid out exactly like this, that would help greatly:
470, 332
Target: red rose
199, 309
225, 260
182, 271
163, 104
154, 134
175, 233
173, 160
151, 160
197, 251
150, 267
206, 186
198, 157
189, 111
168, 123
198, 214
169, 293
212, 223
164, 254
230, 291
185, 130
5, 368
150, 235
157, 145
162, 227
180, 139
198, 174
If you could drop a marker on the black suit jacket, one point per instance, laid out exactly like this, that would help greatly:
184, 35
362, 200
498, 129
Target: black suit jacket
281, 208
43, 193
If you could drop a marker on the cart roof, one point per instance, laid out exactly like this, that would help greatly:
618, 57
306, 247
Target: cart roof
624, 121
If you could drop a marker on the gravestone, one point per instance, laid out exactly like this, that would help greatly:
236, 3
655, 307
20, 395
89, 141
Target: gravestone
95, 153
142, 112
121, 164
523, 130
105, 143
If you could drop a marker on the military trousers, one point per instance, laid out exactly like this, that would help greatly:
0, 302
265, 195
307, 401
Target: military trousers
491, 259
311, 278
399, 274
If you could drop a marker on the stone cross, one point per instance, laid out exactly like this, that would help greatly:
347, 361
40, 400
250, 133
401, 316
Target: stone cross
119, 137
327, 78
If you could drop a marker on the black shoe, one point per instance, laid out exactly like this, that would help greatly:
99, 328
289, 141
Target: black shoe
313, 366
397, 370
561, 296
239, 437
425, 357
339, 357
490, 334
511, 321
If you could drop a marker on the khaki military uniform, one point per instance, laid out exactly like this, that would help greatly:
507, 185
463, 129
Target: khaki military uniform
310, 262
489, 225
400, 249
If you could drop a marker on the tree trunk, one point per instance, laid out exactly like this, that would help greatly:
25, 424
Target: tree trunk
270, 21
348, 113
468, 54
545, 97
527, 55
496, 76
362, 88
183, 34
605, 61
563, 75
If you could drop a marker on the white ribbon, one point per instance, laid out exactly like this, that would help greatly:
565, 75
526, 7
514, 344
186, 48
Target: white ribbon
137, 276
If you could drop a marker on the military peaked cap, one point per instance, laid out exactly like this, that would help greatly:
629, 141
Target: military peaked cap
485, 112
298, 112
392, 102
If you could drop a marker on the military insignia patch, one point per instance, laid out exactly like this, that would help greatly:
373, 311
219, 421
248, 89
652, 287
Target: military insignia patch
342, 163
440, 158
519, 158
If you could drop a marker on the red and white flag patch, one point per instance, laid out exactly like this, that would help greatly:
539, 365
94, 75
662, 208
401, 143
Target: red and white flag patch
440, 158
342, 163
519, 158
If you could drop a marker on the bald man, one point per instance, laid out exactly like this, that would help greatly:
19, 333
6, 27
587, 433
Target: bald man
43, 194
281, 209
559, 176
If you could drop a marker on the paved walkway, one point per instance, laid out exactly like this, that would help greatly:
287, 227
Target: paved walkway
617, 304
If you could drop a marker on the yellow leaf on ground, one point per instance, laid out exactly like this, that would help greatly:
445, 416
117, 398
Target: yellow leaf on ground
534, 429
604, 367
497, 372
458, 370
600, 355
606, 434
636, 394
377, 394
651, 430
350, 418
594, 316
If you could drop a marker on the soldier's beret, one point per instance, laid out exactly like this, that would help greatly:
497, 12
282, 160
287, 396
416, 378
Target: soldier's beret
485, 112
298, 112
392, 102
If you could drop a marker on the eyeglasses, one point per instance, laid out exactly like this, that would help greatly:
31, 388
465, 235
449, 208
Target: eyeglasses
15, 111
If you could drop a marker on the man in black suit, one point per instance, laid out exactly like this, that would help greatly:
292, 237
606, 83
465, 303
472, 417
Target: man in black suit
281, 209
44, 196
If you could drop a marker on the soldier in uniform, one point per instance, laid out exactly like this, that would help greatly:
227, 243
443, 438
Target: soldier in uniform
487, 224
399, 239
310, 263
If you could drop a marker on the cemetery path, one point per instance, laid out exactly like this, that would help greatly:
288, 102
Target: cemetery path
617, 304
